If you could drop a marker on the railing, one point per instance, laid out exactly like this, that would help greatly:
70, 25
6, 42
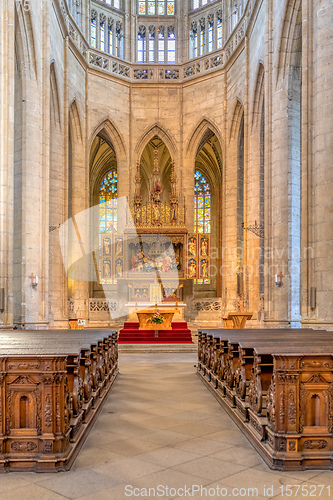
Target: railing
155, 72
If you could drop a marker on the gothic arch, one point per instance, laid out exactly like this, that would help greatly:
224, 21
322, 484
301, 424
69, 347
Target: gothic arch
75, 121
258, 95
236, 120
54, 96
287, 36
109, 132
25, 40
155, 130
201, 134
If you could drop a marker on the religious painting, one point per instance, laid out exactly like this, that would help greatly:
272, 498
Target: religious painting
204, 269
106, 269
192, 268
204, 246
192, 246
136, 295
106, 246
119, 268
119, 247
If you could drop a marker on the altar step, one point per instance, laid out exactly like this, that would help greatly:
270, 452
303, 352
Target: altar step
179, 334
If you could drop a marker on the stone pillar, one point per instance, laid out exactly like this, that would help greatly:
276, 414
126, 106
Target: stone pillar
322, 165
7, 59
30, 176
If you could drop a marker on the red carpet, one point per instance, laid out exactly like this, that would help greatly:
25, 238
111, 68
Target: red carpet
179, 334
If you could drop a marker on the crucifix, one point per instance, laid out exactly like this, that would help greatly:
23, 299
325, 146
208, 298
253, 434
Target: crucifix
34, 280
278, 279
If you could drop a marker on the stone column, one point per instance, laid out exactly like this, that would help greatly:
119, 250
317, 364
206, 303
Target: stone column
322, 164
7, 59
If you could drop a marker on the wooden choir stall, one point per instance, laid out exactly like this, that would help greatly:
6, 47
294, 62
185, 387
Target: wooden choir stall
278, 387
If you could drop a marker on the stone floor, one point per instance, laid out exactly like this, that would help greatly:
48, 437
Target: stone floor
161, 427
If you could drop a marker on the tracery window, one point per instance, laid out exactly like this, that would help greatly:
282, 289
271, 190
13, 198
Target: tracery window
142, 44
108, 203
202, 204
171, 48
110, 36
156, 44
107, 226
202, 212
119, 39
151, 42
156, 7
219, 30
200, 3
161, 45
194, 39
102, 32
113, 3
210, 33
93, 29
202, 36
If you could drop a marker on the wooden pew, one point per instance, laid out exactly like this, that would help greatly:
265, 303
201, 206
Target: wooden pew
276, 379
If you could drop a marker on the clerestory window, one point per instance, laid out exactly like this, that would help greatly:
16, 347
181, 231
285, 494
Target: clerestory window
156, 7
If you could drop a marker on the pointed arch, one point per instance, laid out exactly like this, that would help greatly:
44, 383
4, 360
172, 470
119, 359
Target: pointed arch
109, 132
258, 95
25, 39
237, 118
54, 95
202, 132
75, 121
148, 134
289, 25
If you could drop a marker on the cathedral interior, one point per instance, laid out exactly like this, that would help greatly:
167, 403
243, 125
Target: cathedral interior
166, 158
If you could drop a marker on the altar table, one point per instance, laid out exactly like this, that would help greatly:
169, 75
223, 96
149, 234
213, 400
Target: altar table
145, 323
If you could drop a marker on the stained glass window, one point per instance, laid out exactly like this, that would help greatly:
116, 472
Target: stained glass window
102, 36
114, 3
151, 7
202, 204
210, 36
219, 33
151, 47
171, 48
171, 8
202, 211
142, 7
200, 3
108, 203
141, 47
202, 40
110, 39
161, 47
107, 226
93, 32
157, 7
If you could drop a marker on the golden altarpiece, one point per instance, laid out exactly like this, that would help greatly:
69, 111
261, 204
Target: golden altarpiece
154, 258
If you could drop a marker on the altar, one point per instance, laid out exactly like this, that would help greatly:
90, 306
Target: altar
134, 308
146, 317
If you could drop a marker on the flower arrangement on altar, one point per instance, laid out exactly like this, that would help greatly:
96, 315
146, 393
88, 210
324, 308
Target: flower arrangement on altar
156, 318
